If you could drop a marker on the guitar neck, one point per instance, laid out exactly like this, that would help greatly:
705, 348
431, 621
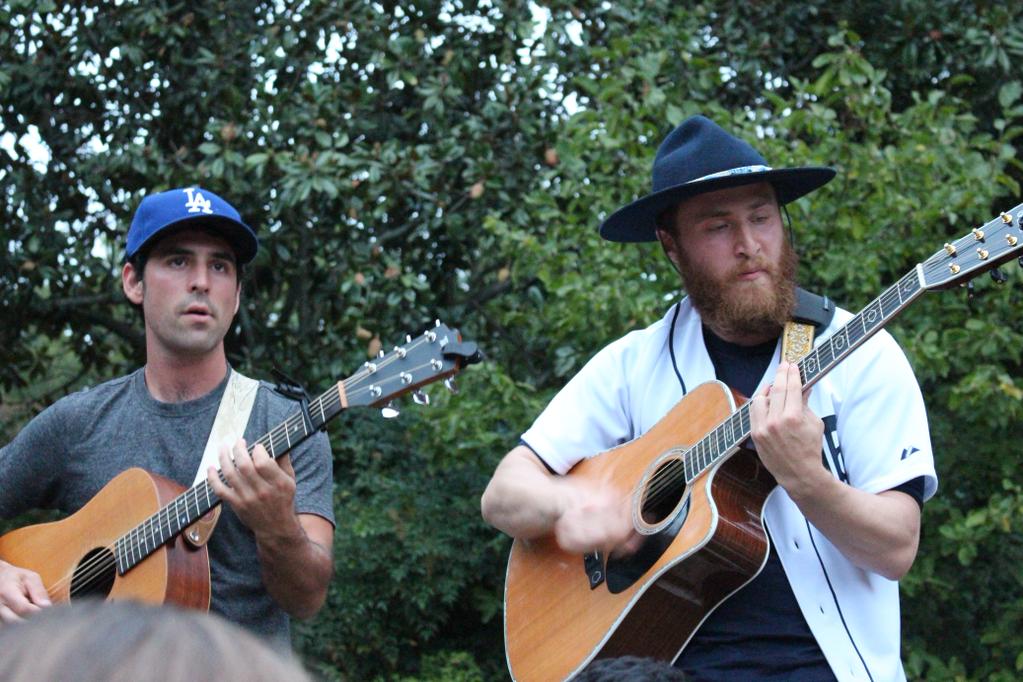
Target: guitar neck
724, 439
189, 506
438, 353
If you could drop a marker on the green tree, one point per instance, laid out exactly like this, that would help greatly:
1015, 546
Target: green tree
452, 159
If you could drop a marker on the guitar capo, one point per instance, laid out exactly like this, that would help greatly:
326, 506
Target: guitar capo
290, 388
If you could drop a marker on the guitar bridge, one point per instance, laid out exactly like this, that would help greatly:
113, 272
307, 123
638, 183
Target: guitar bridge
593, 564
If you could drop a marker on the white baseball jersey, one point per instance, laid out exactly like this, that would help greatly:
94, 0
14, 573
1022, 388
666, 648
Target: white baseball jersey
875, 438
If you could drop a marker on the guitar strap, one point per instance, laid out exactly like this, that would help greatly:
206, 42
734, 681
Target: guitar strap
813, 313
229, 425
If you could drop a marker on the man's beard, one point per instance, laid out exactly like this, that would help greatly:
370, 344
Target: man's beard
732, 308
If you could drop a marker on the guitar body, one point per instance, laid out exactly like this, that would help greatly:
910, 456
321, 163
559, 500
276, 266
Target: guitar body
710, 543
76, 550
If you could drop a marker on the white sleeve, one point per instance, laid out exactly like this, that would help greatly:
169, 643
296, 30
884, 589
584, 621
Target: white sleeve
882, 422
589, 415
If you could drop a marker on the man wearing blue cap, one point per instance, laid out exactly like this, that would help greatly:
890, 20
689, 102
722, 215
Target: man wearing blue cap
852, 458
270, 552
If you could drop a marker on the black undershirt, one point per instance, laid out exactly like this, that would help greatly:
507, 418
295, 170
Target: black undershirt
772, 640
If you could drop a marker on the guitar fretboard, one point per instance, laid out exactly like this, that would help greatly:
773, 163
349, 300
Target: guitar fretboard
726, 437
437, 353
189, 506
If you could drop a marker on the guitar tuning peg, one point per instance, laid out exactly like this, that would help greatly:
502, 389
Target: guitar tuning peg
999, 276
389, 411
436, 323
420, 398
408, 338
381, 353
450, 384
970, 295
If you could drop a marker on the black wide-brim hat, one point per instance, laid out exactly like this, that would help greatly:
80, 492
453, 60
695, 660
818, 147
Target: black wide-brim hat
697, 157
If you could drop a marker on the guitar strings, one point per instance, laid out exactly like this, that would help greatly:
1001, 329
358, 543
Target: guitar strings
90, 573
665, 481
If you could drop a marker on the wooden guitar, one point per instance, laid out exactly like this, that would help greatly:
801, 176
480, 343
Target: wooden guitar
138, 537
696, 497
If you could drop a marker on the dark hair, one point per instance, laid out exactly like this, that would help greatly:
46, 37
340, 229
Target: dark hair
629, 669
667, 219
93, 640
138, 262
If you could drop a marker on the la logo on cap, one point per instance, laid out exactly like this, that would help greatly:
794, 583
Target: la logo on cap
197, 203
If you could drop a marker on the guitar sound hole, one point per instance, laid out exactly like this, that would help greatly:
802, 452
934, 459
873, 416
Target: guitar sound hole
663, 491
623, 571
94, 575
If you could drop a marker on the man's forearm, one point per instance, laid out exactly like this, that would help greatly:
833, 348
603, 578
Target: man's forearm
296, 569
521, 499
879, 532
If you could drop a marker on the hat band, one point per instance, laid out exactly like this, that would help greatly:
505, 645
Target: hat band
741, 170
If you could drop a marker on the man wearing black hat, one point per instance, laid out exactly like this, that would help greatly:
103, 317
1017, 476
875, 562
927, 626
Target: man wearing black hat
852, 458
270, 552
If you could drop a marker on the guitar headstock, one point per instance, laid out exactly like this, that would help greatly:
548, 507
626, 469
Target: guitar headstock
984, 248
437, 353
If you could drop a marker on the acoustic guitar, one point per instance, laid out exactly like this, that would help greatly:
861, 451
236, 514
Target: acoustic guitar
139, 537
696, 496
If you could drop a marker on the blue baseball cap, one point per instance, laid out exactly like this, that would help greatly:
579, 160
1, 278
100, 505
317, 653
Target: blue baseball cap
190, 207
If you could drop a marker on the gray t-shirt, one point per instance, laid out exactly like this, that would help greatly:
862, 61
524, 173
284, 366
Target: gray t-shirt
64, 456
